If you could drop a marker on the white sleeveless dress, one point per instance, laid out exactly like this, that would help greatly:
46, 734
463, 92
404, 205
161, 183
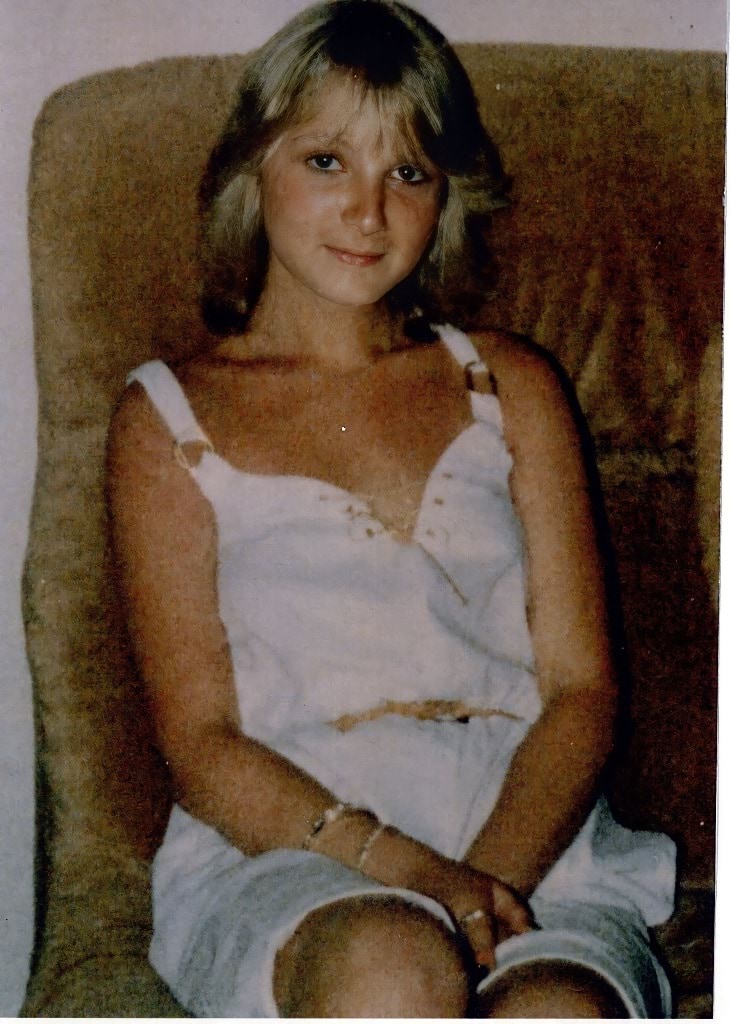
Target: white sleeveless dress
327, 614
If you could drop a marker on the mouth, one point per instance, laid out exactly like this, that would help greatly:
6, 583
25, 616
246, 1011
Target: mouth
356, 259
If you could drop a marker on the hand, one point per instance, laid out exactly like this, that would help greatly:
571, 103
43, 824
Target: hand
399, 860
485, 910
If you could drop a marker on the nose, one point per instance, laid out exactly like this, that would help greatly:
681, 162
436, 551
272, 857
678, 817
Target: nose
364, 204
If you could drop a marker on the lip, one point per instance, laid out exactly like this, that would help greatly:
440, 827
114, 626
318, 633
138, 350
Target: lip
356, 259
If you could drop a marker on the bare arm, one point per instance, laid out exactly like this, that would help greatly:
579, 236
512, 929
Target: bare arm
166, 545
165, 540
553, 777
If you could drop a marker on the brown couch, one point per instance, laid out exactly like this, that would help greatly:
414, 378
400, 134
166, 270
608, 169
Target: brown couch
610, 258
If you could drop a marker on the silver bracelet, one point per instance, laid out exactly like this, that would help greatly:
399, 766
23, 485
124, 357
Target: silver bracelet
473, 915
370, 843
328, 817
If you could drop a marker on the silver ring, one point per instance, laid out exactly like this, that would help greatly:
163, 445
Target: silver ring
473, 915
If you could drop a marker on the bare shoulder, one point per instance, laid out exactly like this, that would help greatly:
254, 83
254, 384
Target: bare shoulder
137, 429
537, 403
519, 365
134, 417
144, 478
138, 440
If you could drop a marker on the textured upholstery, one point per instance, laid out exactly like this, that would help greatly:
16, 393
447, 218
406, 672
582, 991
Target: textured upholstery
610, 258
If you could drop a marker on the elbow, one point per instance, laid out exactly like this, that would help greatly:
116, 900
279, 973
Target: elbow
198, 765
590, 714
598, 710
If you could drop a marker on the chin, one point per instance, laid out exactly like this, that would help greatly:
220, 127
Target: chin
357, 299
354, 294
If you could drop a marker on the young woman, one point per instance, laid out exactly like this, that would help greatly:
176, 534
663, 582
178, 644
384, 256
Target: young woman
363, 581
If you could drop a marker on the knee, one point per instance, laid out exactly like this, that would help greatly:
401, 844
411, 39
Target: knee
553, 989
402, 941
371, 956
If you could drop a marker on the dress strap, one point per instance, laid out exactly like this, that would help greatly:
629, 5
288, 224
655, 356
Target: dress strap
462, 349
166, 394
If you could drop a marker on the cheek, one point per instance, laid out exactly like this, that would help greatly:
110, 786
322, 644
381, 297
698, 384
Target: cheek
290, 199
420, 219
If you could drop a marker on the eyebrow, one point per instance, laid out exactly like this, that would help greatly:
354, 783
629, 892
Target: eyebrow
321, 138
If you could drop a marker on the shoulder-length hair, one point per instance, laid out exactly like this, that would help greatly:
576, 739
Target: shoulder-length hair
395, 56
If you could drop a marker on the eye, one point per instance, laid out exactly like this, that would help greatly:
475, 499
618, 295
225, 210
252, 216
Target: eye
409, 173
324, 162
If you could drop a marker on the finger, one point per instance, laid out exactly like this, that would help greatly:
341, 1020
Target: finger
479, 930
512, 914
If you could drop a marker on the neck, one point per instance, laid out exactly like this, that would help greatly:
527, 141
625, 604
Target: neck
292, 323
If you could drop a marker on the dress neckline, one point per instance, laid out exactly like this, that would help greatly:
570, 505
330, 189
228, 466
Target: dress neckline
484, 407
352, 503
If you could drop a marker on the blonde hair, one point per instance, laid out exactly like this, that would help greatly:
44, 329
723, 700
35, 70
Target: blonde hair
394, 56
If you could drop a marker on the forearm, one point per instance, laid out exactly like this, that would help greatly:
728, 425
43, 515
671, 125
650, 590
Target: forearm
253, 796
259, 801
548, 790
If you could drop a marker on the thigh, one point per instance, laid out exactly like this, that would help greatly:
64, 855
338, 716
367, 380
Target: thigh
611, 943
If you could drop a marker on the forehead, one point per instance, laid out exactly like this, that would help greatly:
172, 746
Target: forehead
341, 109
